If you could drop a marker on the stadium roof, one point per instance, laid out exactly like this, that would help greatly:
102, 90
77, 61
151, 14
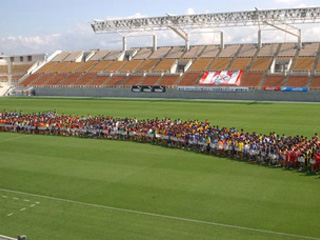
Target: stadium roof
228, 19
279, 19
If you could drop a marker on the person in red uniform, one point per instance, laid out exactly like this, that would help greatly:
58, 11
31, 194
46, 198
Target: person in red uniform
316, 165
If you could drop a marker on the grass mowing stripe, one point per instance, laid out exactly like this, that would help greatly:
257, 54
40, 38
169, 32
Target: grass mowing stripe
161, 216
11, 139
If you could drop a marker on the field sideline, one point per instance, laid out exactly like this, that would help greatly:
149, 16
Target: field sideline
103, 189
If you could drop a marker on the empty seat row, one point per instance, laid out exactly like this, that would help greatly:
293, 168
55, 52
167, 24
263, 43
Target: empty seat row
3, 69
92, 79
297, 81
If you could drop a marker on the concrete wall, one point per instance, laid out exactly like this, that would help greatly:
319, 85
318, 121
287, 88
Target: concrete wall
259, 95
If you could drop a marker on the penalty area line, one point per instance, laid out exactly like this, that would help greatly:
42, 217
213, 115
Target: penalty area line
161, 216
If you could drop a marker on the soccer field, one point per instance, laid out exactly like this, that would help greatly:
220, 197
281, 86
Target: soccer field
72, 188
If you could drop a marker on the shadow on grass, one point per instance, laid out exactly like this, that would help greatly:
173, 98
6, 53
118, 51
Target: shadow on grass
259, 103
156, 100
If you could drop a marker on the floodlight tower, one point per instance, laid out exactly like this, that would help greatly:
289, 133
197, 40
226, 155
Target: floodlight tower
280, 19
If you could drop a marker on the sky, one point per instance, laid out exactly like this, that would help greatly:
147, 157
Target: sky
43, 26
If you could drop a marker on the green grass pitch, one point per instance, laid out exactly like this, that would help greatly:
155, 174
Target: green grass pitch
72, 188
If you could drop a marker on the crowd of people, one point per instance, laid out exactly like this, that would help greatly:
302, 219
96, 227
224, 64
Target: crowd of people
269, 149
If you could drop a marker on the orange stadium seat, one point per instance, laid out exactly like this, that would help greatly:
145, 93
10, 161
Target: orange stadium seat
70, 80
169, 80
86, 66
116, 80
101, 66
298, 81
164, 65
240, 64
315, 82
147, 65
251, 79
150, 80
115, 66
58, 67
45, 68
131, 66
304, 64
318, 66
42, 79
99, 81
261, 64
274, 81
200, 64
29, 80
56, 79
85, 79
189, 79
133, 80
72, 67
220, 64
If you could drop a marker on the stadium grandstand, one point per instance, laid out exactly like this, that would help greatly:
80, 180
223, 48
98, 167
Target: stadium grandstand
248, 68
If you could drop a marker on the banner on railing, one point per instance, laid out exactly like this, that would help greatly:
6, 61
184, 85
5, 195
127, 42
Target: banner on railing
294, 89
222, 77
213, 89
271, 88
148, 89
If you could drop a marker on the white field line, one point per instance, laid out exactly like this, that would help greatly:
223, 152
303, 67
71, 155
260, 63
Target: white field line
22, 209
162, 216
11, 139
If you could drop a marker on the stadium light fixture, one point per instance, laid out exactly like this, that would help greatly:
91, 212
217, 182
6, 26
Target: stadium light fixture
182, 23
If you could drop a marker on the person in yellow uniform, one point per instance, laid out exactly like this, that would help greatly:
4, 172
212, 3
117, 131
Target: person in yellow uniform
241, 147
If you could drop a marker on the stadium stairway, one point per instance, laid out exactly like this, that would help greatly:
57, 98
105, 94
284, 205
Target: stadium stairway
316, 62
250, 63
4, 88
263, 80
311, 76
291, 67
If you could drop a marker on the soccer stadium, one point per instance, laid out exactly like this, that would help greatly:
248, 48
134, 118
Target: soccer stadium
174, 141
